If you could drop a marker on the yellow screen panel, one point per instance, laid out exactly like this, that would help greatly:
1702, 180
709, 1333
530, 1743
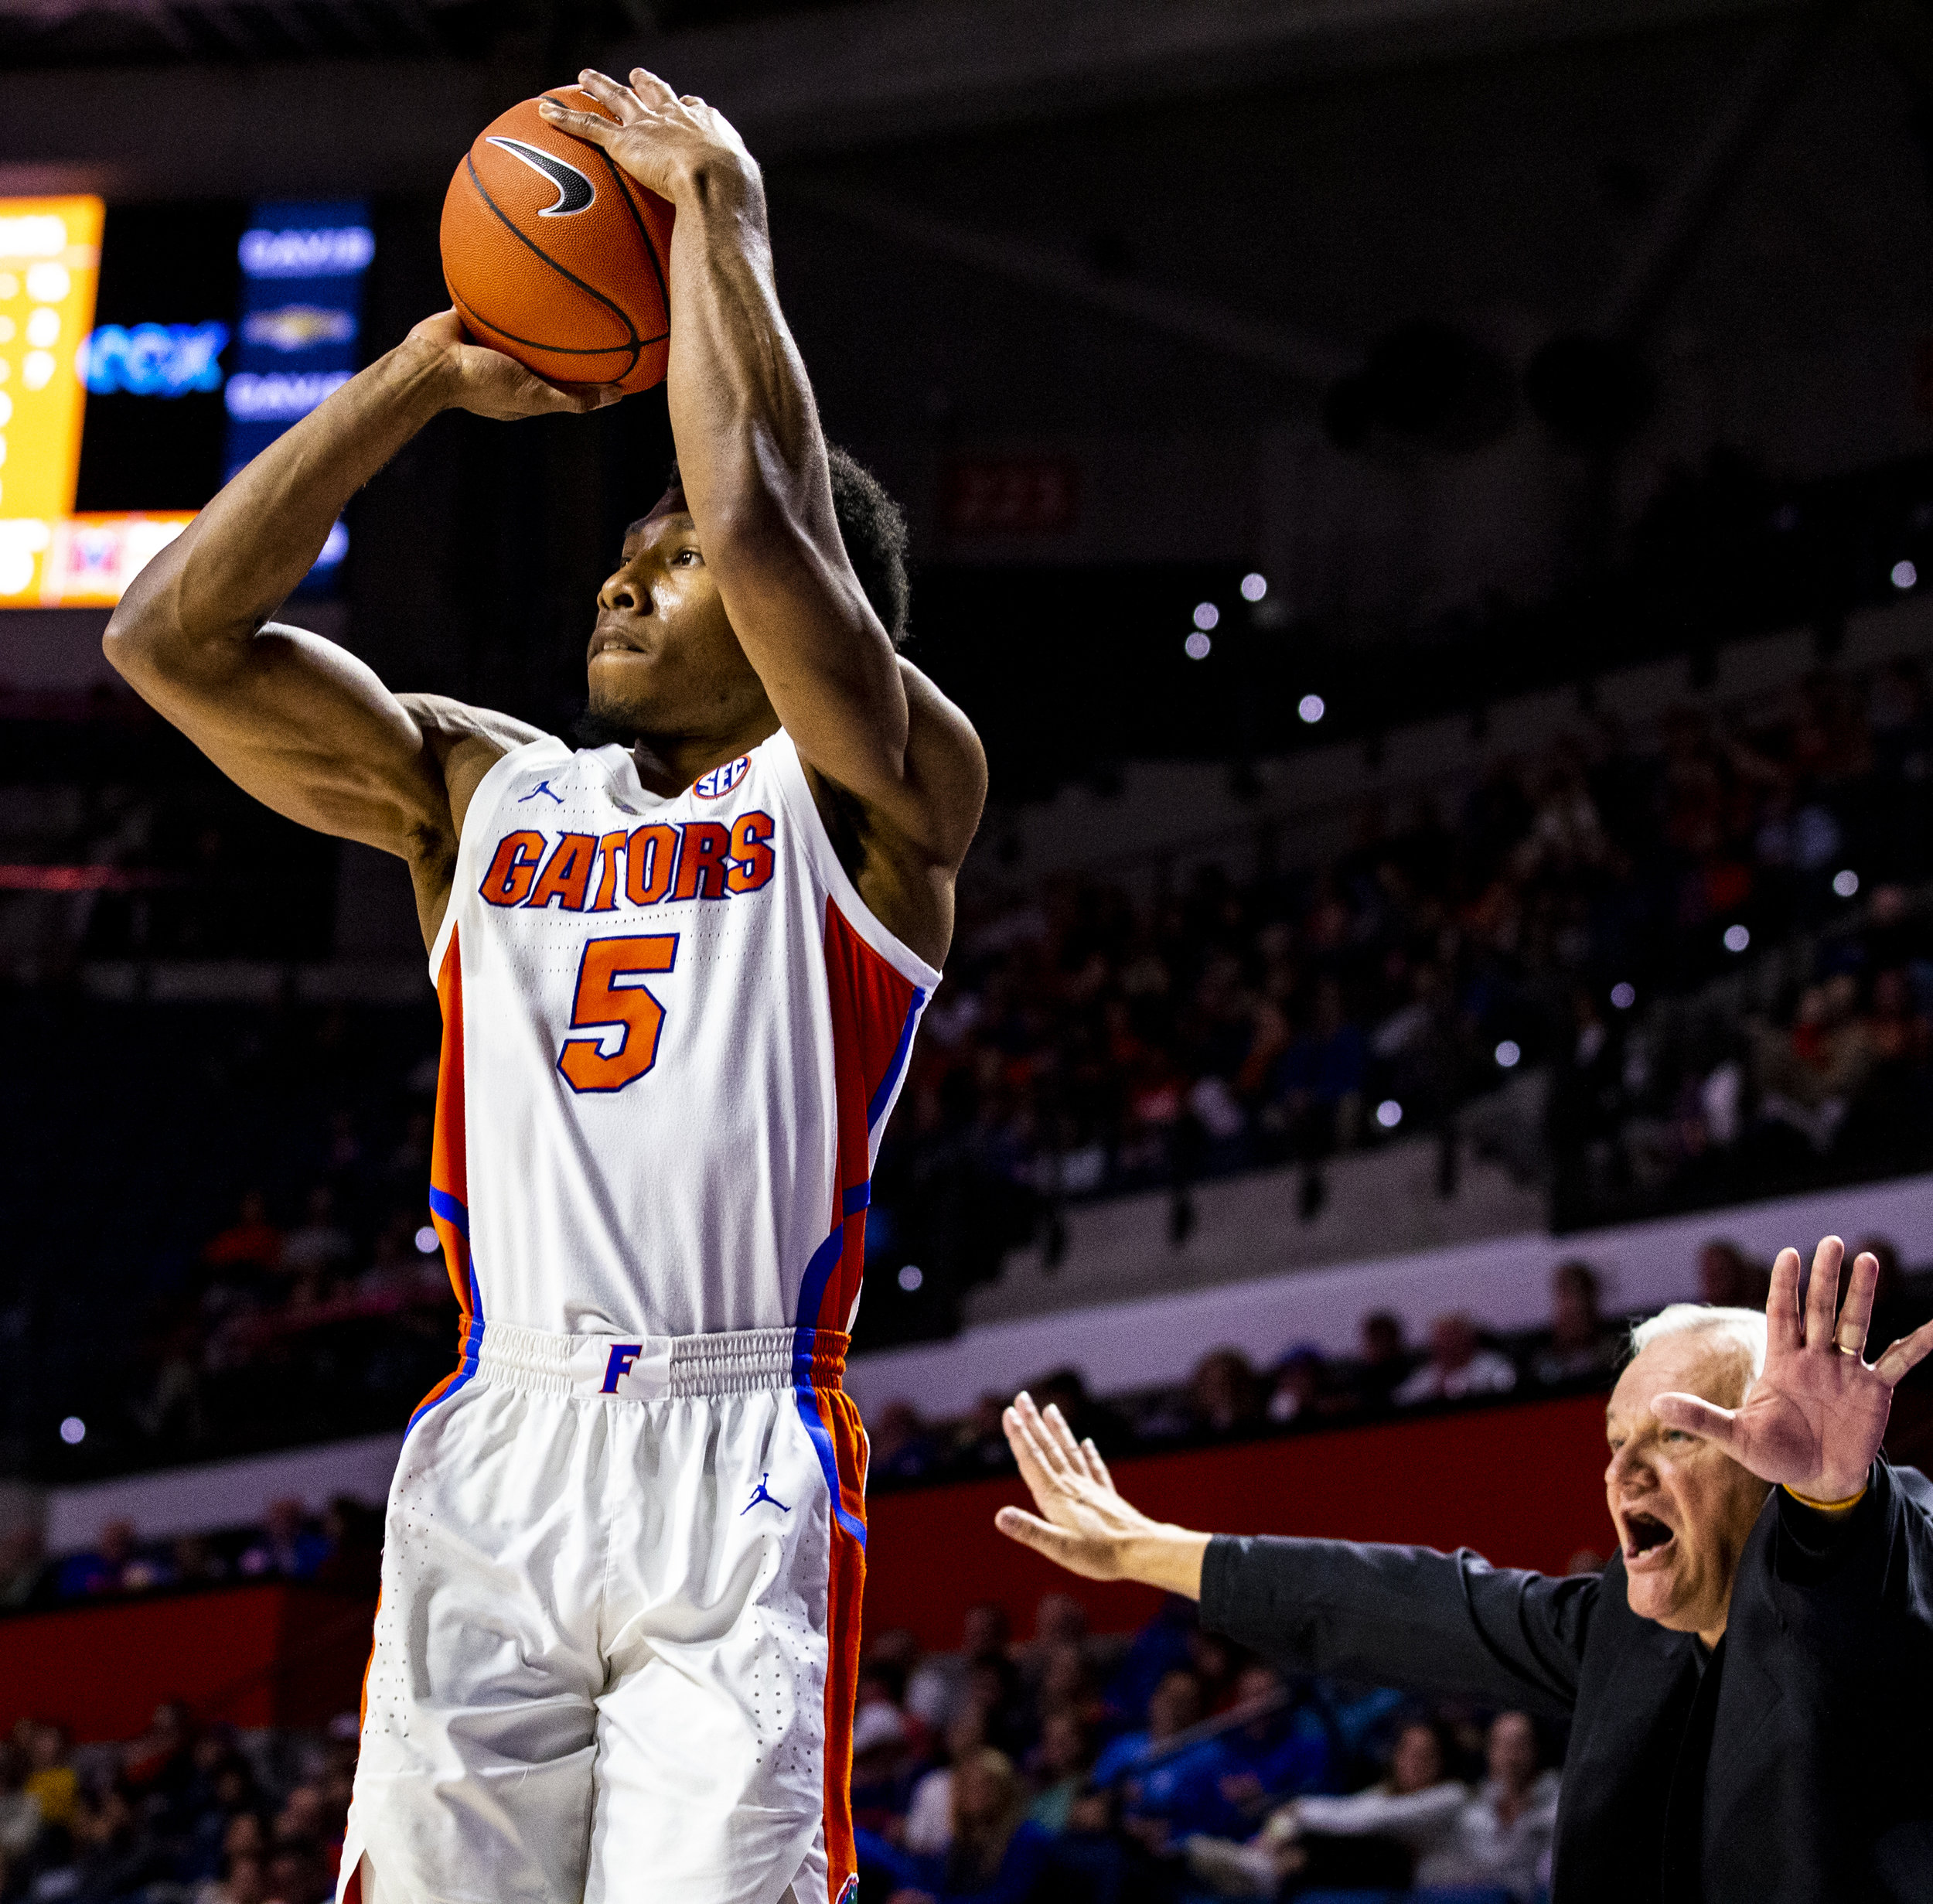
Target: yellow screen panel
49, 262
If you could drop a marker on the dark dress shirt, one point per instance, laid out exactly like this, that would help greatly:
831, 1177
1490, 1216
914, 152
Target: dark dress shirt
1791, 1764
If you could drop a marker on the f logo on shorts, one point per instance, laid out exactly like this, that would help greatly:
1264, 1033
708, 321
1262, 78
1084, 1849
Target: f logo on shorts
849, 1889
622, 1355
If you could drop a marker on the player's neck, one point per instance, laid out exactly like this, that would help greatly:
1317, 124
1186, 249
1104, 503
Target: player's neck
668, 764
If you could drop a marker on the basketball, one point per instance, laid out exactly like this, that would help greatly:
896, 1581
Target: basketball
556, 258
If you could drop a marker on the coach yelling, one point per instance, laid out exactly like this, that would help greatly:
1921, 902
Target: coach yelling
1749, 1683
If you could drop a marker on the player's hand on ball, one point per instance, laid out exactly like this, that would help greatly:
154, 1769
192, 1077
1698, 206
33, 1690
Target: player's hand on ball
673, 146
484, 380
1083, 1522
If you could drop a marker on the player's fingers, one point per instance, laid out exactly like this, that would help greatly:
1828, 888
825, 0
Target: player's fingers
616, 98
591, 126
1697, 1416
1782, 1305
1856, 1312
1822, 1292
648, 86
1903, 1354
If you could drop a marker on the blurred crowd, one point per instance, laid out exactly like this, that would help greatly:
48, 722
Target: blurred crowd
1162, 1767
1086, 1044
1170, 1766
339, 1549
187, 1813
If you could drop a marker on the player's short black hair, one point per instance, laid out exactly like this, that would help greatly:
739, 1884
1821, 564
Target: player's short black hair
873, 527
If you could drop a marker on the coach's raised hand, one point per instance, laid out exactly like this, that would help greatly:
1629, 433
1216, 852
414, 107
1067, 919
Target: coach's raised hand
1084, 1524
679, 147
1815, 1418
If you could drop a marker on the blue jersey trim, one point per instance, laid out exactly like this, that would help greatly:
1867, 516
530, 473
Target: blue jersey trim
815, 1427
883, 1096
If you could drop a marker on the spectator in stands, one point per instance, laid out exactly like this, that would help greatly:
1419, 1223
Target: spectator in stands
1728, 1278
113, 1857
1059, 1765
288, 1547
318, 1245
996, 1856
880, 1768
1225, 1395
23, 1564
251, 1243
1581, 1344
901, 1449
929, 1811
104, 1570
1408, 1816
1459, 1366
51, 1780
1282, 1751
20, 1819
1302, 1390
1384, 1362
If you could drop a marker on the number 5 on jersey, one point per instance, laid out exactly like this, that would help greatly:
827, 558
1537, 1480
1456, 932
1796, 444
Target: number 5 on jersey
611, 994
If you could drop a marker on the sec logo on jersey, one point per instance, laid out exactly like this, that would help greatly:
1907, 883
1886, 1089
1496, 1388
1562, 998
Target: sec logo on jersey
720, 780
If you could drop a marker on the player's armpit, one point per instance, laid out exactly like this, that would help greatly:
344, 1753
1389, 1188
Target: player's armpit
903, 847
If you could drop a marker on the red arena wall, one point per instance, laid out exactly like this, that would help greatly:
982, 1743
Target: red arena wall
1519, 1483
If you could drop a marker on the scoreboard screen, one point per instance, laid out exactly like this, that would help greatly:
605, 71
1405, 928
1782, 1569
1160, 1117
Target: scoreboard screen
161, 347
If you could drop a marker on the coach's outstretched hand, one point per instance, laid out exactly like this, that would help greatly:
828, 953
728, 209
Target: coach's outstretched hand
1815, 1419
1084, 1524
477, 378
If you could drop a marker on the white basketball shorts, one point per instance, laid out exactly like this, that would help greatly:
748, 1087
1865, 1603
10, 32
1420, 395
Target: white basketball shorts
617, 1646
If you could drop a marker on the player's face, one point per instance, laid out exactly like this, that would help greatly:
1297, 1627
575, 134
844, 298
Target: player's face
1683, 1508
664, 661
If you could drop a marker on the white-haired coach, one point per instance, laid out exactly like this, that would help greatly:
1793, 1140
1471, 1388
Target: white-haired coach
1749, 1682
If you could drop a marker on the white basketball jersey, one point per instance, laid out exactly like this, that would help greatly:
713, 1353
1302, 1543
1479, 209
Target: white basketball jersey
672, 1034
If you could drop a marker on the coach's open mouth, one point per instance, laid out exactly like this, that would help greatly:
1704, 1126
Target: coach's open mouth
1647, 1542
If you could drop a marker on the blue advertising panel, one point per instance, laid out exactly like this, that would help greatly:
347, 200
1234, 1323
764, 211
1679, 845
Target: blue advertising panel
296, 331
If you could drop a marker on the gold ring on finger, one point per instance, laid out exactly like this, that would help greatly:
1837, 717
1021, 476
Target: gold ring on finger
1849, 1348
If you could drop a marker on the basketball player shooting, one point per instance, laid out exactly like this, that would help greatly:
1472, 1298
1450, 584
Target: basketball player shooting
679, 975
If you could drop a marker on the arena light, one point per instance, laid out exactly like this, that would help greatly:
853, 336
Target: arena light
1254, 586
426, 1241
1846, 882
1737, 938
1623, 995
1904, 576
1207, 616
1311, 708
1389, 1114
910, 1277
73, 1431
1197, 645
1507, 1054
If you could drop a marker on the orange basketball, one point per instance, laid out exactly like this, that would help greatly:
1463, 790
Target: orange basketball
556, 258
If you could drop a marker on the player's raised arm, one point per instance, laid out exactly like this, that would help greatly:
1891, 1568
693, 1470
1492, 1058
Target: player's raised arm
752, 464
300, 723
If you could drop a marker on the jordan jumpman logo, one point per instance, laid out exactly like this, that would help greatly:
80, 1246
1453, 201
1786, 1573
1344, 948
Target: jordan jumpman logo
542, 787
761, 1493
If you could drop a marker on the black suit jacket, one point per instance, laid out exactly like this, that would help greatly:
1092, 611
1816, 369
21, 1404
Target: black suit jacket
1794, 1766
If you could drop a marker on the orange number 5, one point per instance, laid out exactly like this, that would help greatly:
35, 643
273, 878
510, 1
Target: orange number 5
610, 994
